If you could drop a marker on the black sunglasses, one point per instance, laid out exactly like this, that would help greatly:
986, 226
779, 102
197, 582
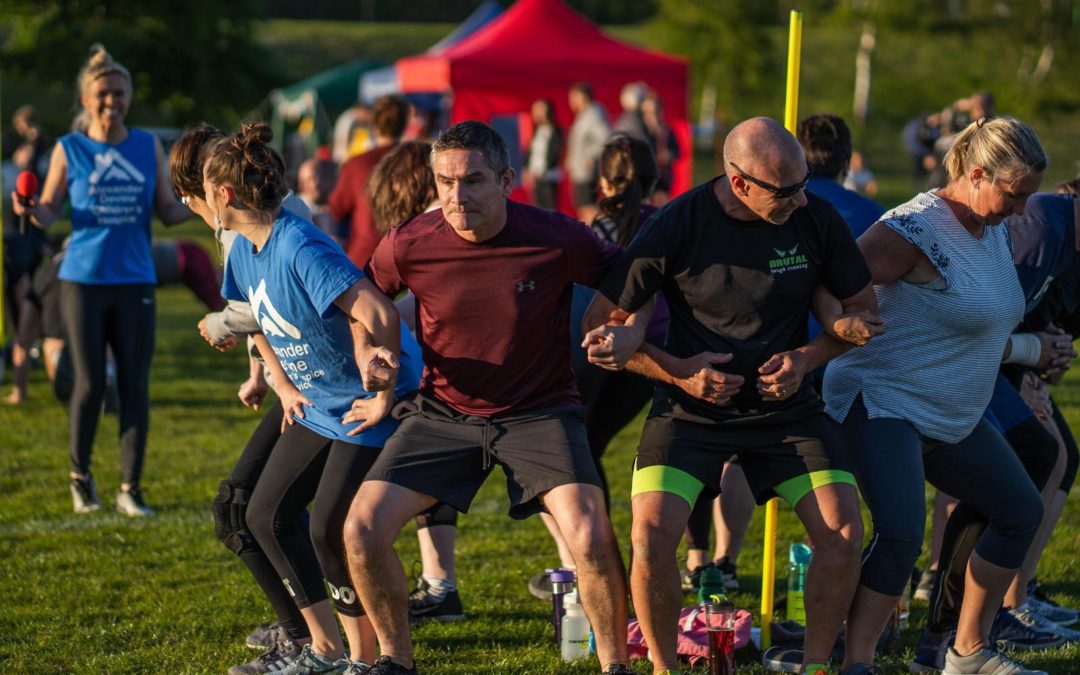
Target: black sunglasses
779, 192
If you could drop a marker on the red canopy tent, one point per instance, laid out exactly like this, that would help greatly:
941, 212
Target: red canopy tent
537, 49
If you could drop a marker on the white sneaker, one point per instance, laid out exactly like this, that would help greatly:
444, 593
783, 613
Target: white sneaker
84, 495
984, 662
130, 503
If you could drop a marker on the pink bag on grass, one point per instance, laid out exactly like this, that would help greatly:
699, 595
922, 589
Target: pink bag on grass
693, 639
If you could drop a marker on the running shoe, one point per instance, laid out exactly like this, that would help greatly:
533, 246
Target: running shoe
1062, 616
265, 636
84, 495
691, 579
1020, 631
618, 669
925, 586
310, 662
1027, 614
384, 666
782, 659
984, 662
426, 606
357, 668
130, 503
274, 660
930, 652
540, 586
731, 581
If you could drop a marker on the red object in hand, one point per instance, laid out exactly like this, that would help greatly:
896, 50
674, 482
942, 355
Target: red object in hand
26, 185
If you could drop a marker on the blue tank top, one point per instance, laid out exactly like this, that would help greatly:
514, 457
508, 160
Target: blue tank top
111, 188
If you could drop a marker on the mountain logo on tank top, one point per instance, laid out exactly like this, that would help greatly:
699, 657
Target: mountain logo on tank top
788, 260
110, 166
269, 318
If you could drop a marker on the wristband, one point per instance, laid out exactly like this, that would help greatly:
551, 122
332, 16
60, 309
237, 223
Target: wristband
1026, 349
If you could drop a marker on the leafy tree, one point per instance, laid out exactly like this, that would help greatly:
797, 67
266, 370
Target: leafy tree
189, 59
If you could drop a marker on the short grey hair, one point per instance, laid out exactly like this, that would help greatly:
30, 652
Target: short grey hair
475, 135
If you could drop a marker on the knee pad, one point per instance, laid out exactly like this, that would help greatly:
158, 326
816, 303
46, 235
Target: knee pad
440, 514
230, 522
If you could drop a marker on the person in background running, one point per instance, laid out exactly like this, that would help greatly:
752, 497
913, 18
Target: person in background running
115, 178
306, 293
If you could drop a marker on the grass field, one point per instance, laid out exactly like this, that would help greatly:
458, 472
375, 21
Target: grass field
103, 594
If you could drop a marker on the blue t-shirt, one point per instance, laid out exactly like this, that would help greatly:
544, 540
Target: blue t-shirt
1043, 241
859, 213
111, 188
292, 284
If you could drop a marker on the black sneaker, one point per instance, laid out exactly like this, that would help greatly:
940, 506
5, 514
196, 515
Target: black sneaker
84, 495
384, 666
930, 652
731, 581
618, 669
1018, 630
425, 606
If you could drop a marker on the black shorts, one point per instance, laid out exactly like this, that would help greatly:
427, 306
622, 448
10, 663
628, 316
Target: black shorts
787, 459
447, 455
584, 194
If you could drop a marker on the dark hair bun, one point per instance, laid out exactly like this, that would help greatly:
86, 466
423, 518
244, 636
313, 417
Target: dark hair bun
255, 132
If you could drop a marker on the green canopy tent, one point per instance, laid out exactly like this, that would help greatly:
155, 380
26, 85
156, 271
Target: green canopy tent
311, 106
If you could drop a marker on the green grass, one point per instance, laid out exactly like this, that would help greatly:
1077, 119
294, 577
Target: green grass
103, 594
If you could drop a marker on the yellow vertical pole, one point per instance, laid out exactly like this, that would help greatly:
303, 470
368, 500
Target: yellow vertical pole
768, 554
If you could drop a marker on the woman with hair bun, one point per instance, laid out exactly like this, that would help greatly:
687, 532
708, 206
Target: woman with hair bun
912, 401
115, 178
332, 343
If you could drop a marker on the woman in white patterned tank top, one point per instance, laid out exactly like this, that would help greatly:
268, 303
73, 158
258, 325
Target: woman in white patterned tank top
912, 401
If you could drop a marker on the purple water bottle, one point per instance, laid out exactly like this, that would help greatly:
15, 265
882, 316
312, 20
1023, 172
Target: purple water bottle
562, 582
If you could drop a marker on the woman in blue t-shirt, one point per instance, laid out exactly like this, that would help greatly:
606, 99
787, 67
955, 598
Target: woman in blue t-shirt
320, 318
114, 178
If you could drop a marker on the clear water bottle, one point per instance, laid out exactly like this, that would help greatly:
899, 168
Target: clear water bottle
798, 563
574, 644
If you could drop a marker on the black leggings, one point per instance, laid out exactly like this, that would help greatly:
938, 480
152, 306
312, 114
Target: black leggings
1072, 453
121, 317
230, 520
303, 467
1037, 450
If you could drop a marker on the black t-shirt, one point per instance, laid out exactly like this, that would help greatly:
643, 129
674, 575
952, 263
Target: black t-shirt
738, 287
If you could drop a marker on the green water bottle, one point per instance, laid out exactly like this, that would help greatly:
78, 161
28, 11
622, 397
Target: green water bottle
711, 584
798, 562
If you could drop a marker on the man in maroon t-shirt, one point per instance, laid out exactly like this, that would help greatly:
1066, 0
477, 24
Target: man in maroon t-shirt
349, 199
493, 284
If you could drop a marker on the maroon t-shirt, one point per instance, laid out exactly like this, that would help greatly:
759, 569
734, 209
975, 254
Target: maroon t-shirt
493, 317
350, 200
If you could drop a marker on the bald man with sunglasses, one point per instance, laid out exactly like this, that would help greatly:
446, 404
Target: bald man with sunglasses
739, 259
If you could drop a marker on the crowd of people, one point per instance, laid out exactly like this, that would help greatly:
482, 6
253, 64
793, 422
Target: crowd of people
795, 339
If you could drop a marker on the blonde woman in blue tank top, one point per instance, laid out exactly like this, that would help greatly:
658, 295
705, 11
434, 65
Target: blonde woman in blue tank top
912, 401
114, 178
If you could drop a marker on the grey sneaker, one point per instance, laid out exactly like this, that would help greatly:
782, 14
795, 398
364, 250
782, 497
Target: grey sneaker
84, 495
984, 662
130, 503
310, 662
1062, 616
274, 660
265, 636
925, 587
357, 668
